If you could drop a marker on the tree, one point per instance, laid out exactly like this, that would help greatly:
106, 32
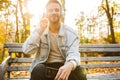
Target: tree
63, 12
80, 22
25, 19
6, 12
109, 13
4, 4
16, 21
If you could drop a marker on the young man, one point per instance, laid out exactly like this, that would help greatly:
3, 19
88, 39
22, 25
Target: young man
56, 48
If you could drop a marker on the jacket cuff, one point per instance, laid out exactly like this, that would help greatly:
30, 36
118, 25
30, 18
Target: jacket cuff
74, 64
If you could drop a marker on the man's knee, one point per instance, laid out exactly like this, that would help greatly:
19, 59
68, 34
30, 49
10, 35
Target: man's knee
38, 72
79, 74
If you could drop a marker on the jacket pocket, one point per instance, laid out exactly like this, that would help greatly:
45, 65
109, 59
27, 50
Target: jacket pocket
64, 49
43, 50
44, 45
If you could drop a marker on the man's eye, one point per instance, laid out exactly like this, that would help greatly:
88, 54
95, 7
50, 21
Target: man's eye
50, 10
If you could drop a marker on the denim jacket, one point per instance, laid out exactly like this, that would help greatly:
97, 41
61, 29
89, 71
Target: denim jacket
68, 44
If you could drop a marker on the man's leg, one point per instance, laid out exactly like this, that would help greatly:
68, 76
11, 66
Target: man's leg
78, 74
38, 72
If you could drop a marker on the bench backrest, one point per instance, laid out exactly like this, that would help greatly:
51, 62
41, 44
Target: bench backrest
84, 48
17, 47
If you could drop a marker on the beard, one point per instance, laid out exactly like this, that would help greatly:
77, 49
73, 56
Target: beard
54, 19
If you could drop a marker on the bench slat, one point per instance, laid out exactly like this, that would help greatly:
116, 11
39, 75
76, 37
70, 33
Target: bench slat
113, 58
17, 50
116, 65
99, 46
6, 45
24, 68
29, 60
18, 68
99, 50
15, 45
20, 78
20, 60
110, 76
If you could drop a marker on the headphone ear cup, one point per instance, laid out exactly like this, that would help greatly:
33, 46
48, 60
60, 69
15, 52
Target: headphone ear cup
62, 16
62, 13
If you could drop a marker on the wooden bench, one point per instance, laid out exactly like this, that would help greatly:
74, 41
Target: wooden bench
12, 45
86, 49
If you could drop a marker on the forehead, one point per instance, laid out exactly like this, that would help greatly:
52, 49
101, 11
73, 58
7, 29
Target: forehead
53, 5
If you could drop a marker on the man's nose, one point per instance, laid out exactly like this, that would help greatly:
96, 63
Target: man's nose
54, 12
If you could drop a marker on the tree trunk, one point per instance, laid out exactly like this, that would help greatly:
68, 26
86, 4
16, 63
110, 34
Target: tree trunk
17, 32
110, 21
63, 12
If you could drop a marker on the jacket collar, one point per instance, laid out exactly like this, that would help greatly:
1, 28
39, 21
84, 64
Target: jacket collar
61, 31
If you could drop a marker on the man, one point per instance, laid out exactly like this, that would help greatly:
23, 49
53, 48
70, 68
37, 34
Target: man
56, 48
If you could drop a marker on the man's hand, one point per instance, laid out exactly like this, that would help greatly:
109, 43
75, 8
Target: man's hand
64, 71
43, 25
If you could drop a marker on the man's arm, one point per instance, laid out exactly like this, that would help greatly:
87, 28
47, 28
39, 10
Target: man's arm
73, 54
32, 43
72, 61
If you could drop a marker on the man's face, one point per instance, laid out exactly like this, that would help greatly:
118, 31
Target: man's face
53, 12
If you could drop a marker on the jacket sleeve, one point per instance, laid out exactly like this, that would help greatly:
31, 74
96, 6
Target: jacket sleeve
73, 52
31, 44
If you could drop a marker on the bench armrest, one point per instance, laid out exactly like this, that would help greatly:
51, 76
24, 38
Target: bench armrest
4, 67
